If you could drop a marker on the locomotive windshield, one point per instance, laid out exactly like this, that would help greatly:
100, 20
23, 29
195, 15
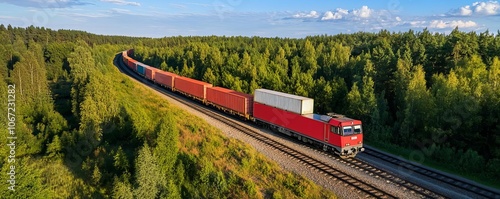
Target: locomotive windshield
357, 129
348, 130
351, 130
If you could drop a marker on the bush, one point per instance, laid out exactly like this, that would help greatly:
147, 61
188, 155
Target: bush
471, 161
250, 188
493, 168
277, 195
444, 154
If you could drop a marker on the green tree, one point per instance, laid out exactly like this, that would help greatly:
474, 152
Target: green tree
419, 109
81, 65
167, 143
323, 94
309, 62
355, 106
121, 162
210, 77
55, 147
122, 190
146, 174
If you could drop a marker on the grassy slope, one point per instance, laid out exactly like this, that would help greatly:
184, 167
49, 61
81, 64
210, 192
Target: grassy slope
248, 174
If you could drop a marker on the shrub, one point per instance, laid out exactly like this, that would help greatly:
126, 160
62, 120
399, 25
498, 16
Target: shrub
277, 195
250, 188
471, 161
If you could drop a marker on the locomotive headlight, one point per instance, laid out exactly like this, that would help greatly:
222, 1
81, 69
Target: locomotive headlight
360, 142
347, 144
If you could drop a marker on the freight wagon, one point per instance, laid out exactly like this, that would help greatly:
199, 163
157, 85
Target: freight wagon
231, 101
132, 64
130, 52
124, 56
141, 68
191, 87
150, 72
166, 79
125, 59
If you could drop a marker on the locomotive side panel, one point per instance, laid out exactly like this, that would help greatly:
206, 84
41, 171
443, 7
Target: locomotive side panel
302, 125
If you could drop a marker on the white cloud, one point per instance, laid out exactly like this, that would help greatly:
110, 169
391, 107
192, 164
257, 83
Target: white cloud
312, 14
398, 19
465, 11
486, 8
329, 15
451, 24
441, 24
364, 12
122, 2
478, 8
418, 23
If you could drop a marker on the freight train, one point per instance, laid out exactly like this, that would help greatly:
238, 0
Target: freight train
285, 113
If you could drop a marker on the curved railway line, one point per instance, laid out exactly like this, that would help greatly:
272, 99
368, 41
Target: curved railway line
333, 173
321, 166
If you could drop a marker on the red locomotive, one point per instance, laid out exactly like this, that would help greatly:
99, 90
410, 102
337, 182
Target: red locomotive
289, 114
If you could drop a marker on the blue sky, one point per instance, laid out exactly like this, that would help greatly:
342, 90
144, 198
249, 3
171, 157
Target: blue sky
278, 18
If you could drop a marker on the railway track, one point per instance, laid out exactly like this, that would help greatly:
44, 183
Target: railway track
381, 173
326, 169
458, 183
358, 164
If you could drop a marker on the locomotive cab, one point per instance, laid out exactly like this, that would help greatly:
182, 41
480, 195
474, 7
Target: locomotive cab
351, 140
349, 136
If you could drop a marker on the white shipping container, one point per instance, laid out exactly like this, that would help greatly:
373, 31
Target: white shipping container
293, 103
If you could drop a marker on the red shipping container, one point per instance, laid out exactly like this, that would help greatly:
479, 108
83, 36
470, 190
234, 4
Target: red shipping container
238, 102
132, 64
130, 52
310, 125
150, 72
191, 87
125, 60
165, 78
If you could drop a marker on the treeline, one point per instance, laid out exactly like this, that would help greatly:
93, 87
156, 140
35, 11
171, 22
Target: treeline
83, 132
437, 93
46, 36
